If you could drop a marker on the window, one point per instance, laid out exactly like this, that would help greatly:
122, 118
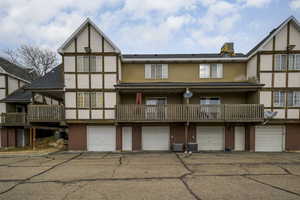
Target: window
294, 98
83, 99
96, 63
279, 99
294, 62
204, 71
83, 64
210, 101
96, 99
156, 71
211, 71
280, 62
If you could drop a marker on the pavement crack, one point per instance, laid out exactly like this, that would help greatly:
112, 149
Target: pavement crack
273, 186
120, 163
189, 189
285, 169
184, 164
43, 172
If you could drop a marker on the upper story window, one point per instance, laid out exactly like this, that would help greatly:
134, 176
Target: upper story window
294, 62
294, 98
210, 101
83, 99
280, 62
211, 70
89, 63
156, 71
279, 99
96, 99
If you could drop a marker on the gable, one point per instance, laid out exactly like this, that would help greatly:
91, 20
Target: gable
88, 35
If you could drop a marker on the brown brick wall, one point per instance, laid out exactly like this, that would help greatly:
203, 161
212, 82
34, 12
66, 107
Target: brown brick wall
77, 137
250, 138
229, 137
292, 137
119, 138
11, 134
136, 138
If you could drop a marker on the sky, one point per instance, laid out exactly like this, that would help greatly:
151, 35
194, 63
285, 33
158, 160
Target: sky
145, 26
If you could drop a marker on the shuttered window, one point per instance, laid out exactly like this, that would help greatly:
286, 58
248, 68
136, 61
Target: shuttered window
279, 99
96, 63
294, 98
280, 62
211, 71
96, 99
83, 99
156, 71
82, 63
294, 62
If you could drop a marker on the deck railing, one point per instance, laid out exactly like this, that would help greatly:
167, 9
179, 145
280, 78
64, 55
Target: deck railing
45, 113
190, 112
13, 119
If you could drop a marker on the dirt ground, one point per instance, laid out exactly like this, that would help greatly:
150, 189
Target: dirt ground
157, 175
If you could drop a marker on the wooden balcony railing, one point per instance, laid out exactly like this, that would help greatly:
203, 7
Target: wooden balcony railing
191, 113
13, 119
45, 113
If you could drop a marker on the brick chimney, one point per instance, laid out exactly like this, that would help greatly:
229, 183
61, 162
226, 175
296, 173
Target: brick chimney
227, 49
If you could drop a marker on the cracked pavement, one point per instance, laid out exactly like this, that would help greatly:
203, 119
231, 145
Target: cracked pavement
154, 175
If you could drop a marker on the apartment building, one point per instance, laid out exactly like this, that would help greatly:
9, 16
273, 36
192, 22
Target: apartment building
109, 101
136, 102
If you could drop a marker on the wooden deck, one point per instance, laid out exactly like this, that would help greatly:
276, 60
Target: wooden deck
13, 119
46, 113
190, 113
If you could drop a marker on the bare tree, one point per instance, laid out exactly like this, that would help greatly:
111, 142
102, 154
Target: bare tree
40, 60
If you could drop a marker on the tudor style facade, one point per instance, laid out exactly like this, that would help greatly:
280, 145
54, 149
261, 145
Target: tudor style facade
117, 102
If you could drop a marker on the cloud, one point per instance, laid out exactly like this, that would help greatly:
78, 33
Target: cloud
294, 4
255, 3
134, 25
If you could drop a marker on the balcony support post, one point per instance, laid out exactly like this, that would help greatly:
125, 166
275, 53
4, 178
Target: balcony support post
186, 129
34, 138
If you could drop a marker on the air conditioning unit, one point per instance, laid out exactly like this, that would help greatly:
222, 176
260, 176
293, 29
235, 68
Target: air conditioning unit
177, 147
193, 147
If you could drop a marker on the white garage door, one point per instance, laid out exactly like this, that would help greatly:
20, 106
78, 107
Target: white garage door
101, 138
269, 138
239, 138
210, 138
155, 138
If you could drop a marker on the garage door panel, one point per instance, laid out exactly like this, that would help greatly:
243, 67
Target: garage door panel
269, 139
210, 138
155, 138
101, 138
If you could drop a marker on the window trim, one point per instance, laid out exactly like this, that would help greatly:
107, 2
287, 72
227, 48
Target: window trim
293, 99
154, 69
280, 61
210, 70
210, 97
284, 99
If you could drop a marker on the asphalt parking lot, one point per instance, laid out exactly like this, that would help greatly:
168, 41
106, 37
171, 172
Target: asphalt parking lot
151, 176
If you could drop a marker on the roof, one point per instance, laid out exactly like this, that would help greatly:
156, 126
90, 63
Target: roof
18, 96
52, 80
79, 29
181, 57
272, 34
19, 72
184, 84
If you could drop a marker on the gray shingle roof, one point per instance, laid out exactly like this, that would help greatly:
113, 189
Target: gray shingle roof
183, 84
162, 56
52, 80
18, 96
17, 71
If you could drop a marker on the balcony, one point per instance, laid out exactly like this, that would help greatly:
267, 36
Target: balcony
45, 113
13, 119
190, 113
